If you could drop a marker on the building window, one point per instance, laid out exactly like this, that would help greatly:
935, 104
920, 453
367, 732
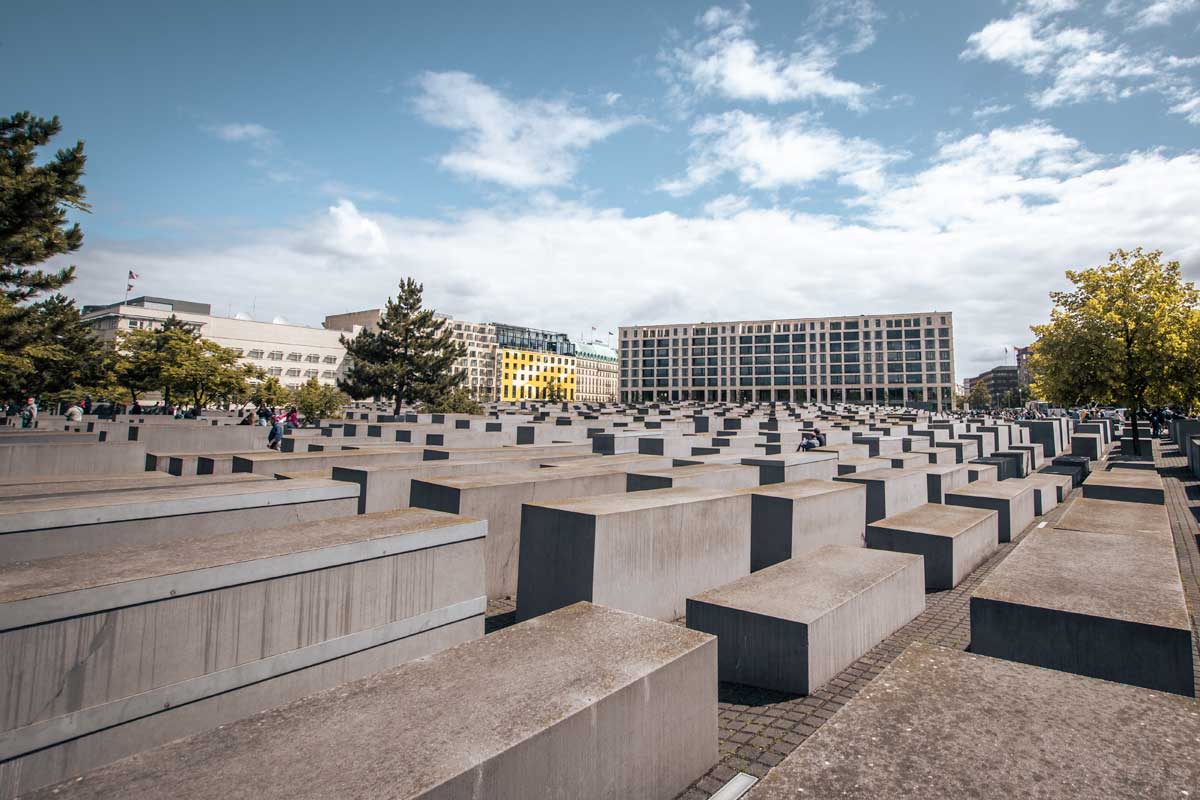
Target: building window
275, 355
255, 354
276, 371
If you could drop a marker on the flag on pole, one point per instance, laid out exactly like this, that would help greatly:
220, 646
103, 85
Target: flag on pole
610, 333
132, 275
129, 287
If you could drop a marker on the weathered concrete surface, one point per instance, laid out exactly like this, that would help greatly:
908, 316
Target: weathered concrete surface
854, 466
942, 478
700, 476
1116, 516
1021, 462
942, 724
1045, 495
586, 702
90, 484
140, 636
1107, 606
891, 491
793, 626
981, 472
1129, 485
1062, 483
790, 519
644, 552
794, 467
1089, 445
105, 458
953, 540
43, 527
1012, 500
936, 455
269, 463
964, 450
498, 498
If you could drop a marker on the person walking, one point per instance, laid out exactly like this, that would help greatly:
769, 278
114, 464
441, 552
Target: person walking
293, 418
75, 412
29, 413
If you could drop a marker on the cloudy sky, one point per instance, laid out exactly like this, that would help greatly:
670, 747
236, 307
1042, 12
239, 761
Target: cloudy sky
569, 165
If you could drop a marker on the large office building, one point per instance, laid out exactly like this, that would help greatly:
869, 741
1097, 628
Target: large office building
1000, 382
292, 353
534, 364
894, 359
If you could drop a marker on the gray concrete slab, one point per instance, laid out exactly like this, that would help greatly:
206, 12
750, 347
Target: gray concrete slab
91, 484
793, 626
942, 478
43, 527
981, 472
71, 459
1062, 483
702, 476
891, 491
794, 466
1095, 604
1129, 485
942, 724
1013, 501
790, 519
587, 702
499, 500
953, 540
1045, 494
1116, 517
854, 466
155, 640
644, 552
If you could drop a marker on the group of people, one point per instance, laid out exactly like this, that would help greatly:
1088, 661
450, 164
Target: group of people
279, 421
810, 440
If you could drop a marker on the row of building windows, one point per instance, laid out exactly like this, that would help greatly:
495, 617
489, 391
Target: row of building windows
786, 327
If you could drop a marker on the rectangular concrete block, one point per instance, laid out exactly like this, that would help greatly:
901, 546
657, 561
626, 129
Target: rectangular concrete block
942, 478
1102, 605
1014, 502
586, 702
981, 472
1089, 445
953, 540
952, 712
163, 641
891, 491
499, 500
644, 552
1129, 485
794, 467
1045, 495
700, 476
1117, 517
790, 519
1062, 483
44, 527
795, 625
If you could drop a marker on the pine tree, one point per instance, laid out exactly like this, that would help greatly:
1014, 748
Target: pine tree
410, 358
34, 202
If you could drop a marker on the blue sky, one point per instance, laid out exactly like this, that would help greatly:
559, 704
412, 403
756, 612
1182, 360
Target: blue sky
569, 165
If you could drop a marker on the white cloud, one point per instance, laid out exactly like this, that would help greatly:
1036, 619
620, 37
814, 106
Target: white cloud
249, 132
857, 17
611, 98
769, 154
985, 231
727, 205
521, 144
1161, 12
1075, 64
725, 62
1190, 108
991, 110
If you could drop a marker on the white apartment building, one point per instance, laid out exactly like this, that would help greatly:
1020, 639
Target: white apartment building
291, 353
596, 373
895, 359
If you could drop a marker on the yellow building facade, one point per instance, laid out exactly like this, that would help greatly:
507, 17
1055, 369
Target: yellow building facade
530, 375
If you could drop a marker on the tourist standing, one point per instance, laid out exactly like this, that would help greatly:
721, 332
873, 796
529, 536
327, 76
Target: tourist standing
29, 413
75, 412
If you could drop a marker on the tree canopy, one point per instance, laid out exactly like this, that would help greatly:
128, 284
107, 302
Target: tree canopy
408, 359
44, 347
315, 401
979, 397
1127, 334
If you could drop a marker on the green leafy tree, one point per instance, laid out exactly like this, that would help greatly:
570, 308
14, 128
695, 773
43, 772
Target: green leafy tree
60, 354
554, 392
1123, 335
34, 203
271, 393
316, 401
457, 401
204, 371
409, 359
979, 397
